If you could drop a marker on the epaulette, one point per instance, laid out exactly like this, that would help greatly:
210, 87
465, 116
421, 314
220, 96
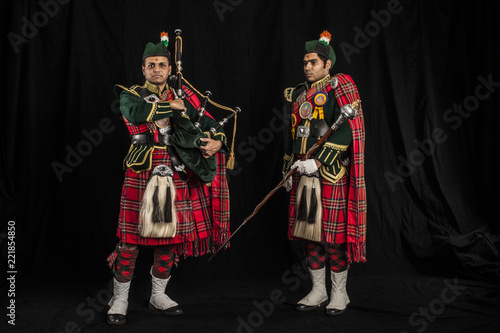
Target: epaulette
289, 91
136, 90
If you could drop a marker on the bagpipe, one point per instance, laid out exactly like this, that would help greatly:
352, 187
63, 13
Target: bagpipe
187, 134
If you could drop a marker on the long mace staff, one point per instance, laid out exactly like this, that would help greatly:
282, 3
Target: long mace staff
347, 111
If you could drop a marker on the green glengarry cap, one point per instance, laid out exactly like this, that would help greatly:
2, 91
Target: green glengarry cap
321, 46
159, 50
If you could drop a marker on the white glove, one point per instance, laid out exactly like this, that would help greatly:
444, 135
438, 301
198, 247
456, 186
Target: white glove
306, 167
288, 182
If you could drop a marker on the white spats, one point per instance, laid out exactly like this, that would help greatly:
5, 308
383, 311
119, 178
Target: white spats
119, 302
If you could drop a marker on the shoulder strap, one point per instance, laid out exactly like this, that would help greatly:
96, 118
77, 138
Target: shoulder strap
143, 91
118, 88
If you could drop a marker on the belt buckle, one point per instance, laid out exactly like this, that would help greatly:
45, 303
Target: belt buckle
303, 131
137, 139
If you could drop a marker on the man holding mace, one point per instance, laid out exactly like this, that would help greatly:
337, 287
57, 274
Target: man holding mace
328, 194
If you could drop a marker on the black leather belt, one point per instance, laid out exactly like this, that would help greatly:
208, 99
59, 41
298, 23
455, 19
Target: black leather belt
318, 128
148, 138
143, 138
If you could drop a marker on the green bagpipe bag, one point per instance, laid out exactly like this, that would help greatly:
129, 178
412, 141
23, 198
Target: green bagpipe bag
186, 140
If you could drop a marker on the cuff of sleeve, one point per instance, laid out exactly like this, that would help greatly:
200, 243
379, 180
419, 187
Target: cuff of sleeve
221, 136
287, 162
330, 153
159, 110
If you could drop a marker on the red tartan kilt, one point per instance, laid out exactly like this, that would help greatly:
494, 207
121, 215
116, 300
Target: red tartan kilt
192, 198
334, 210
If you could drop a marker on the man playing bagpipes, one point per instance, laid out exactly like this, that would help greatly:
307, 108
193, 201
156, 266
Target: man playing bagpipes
175, 195
328, 195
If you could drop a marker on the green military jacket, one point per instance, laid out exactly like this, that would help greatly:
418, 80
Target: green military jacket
331, 150
143, 105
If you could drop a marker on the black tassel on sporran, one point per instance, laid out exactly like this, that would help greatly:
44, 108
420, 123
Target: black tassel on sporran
313, 207
168, 206
156, 206
302, 208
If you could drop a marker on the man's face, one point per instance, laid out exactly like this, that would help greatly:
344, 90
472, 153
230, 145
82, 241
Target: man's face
314, 67
156, 70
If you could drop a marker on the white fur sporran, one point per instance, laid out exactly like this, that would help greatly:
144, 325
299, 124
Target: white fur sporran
308, 209
157, 215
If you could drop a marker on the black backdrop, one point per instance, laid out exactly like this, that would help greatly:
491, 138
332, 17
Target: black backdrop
427, 72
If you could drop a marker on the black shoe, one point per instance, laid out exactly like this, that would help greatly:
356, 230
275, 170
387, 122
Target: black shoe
173, 311
334, 312
303, 307
116, 319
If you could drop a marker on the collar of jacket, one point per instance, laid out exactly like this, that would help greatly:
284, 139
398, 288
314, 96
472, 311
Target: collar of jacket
154, 88
319, 82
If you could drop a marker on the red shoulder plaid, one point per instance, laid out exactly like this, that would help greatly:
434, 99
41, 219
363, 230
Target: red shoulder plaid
346, 93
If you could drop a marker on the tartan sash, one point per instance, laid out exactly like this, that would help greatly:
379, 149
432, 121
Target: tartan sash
193, 99
346, 93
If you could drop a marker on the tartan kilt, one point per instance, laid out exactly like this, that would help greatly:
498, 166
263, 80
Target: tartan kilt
197, 233
334, 210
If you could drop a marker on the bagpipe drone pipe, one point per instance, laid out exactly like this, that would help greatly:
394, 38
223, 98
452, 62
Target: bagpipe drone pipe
187, 134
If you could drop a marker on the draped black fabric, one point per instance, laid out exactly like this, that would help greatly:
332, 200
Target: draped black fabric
429, 78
